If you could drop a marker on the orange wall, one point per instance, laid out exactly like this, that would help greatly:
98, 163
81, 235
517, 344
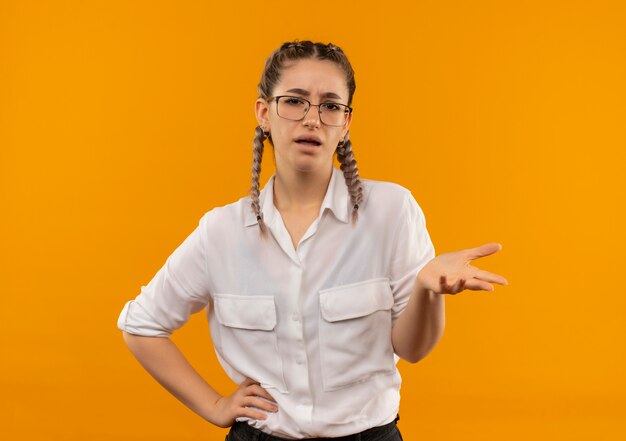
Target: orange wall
122, 122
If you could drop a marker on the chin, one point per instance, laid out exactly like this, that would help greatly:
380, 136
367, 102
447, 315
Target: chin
304, 169
307, 164
313, 165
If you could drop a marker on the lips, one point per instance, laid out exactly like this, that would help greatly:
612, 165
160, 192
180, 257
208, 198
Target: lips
308, 140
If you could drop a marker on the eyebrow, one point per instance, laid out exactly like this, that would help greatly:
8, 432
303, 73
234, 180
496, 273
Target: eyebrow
306, 93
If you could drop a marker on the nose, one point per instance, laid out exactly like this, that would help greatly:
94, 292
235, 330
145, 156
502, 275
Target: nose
312, 117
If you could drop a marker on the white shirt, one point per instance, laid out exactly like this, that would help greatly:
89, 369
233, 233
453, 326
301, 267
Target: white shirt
312, 324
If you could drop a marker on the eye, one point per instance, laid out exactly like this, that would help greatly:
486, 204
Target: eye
332, 107
293, 101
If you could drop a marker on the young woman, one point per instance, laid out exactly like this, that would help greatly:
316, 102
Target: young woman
314, 286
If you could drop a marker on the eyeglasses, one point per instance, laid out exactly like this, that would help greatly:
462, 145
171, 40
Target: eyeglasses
295, 109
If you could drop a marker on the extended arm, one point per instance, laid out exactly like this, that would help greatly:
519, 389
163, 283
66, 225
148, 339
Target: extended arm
420, 326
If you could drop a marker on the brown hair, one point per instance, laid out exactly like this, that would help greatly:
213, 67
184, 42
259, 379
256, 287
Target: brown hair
292, 51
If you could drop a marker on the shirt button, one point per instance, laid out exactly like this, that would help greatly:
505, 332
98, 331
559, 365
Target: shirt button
300, 361
295, 317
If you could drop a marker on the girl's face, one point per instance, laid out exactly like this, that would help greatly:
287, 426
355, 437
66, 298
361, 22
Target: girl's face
314, 79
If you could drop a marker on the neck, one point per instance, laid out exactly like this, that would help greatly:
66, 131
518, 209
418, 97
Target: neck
300, 191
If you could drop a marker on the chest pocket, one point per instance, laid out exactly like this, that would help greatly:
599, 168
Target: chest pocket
248, 337
355, 332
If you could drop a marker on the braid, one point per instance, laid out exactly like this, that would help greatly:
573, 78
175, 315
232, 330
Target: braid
345, 156
257, 155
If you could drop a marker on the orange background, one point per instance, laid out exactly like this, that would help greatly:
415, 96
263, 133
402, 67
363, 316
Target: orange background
122, 122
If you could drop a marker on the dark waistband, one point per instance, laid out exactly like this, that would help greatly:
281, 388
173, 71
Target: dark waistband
253, 433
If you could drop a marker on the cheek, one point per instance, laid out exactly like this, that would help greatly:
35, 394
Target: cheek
279, 134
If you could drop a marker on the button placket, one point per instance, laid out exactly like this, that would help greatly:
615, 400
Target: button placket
299, 355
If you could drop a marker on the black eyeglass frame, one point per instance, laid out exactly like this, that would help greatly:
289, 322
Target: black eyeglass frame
348, 109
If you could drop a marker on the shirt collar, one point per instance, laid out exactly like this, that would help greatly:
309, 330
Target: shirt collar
336, 200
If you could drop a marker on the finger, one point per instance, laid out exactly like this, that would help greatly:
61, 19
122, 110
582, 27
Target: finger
247, 383
484, 250
459, 286
258, 403
262, 404
478, 285
445, 287
455, 287
258, 390
490, 277
246, 412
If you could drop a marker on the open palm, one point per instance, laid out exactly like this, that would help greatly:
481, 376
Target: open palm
451, 273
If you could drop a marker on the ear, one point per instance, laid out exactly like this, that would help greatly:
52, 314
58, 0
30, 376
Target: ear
261, 109
346, 127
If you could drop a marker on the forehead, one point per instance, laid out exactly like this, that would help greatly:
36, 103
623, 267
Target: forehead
318, 77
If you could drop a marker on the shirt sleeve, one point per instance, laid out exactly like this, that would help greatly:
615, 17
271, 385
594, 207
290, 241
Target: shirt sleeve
413, 250
177, 290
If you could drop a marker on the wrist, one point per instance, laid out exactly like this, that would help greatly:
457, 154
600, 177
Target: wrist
420, 286
212, 410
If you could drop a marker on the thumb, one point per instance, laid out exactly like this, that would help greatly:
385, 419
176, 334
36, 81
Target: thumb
484, 250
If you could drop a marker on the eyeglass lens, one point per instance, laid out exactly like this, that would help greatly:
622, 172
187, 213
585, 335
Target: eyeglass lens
332, 114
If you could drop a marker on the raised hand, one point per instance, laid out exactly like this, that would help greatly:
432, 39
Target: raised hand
451, 273
249, 393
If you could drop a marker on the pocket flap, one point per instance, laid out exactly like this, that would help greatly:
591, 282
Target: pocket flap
356, 299
245, 312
